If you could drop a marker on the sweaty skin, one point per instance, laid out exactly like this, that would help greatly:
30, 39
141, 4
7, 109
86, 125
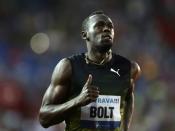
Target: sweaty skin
99, 39
54, 108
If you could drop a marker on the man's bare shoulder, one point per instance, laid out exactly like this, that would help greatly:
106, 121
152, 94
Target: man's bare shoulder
62, 71
135, 70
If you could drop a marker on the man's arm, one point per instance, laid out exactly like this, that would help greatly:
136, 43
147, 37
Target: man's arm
55, 107
129, 107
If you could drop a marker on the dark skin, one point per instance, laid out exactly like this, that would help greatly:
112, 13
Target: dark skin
99, 39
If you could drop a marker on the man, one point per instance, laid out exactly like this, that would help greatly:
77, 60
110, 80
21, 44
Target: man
92, 91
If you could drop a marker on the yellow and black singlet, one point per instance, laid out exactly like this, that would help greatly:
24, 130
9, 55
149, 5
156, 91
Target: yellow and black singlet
113, 80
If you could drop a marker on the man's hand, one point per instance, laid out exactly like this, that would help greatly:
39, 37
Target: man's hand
89, 93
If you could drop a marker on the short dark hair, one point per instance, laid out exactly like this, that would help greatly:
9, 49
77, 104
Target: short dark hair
84, 24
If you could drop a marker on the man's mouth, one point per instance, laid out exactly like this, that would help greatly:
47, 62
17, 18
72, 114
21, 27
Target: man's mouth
108, 37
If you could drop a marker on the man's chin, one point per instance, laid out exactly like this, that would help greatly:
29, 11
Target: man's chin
104, 47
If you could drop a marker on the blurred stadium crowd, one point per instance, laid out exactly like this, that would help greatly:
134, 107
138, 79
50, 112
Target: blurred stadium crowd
36, 34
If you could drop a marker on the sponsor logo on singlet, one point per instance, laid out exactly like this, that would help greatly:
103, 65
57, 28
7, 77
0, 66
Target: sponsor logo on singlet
104, 113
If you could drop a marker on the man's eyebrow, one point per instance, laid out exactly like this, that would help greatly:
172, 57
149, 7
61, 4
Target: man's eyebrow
108, 23
100, 22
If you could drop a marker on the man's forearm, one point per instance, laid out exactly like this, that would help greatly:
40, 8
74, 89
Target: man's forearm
129, 107
54, 114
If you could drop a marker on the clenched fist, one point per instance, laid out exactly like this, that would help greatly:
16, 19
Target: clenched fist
89, 93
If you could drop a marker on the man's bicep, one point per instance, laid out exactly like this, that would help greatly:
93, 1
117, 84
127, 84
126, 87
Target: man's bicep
59, 87
135, 73
55, 95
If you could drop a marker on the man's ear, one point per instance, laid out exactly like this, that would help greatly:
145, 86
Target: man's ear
84, 35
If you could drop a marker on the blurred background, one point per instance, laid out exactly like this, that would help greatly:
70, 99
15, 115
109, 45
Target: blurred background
36, 34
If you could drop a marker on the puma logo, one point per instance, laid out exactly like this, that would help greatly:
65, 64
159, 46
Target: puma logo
117, 72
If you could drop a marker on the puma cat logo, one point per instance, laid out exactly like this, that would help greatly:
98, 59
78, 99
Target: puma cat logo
117, 72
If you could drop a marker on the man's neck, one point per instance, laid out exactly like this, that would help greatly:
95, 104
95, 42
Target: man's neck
99, 58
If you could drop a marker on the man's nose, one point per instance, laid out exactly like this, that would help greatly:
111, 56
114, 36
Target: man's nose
106, 29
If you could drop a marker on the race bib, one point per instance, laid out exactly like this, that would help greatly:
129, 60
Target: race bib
104, 113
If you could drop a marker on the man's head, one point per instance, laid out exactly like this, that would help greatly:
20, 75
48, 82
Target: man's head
98, 31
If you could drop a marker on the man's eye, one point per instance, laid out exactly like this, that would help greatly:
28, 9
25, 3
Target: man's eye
110, 26
100, 24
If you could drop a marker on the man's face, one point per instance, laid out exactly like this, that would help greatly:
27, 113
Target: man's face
100, 32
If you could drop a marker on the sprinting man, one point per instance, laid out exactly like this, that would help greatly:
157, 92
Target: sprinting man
92, 91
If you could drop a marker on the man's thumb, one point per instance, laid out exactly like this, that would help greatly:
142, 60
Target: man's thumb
89, 80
